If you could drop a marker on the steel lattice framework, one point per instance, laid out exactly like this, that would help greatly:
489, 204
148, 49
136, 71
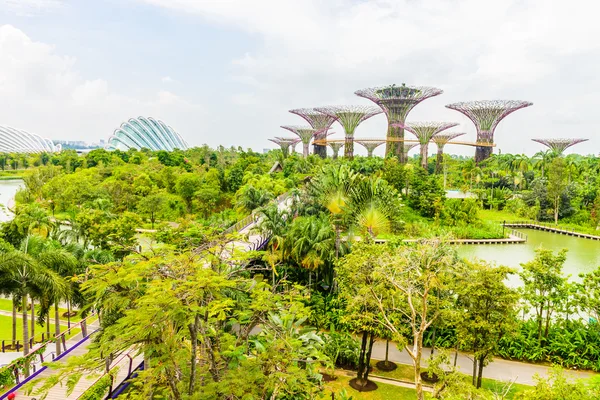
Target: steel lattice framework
486, 115
335, 146
321, 122
349, 117
285, 144
396, 102
559, 145
370, 145
425, 131
305, 133
440, 140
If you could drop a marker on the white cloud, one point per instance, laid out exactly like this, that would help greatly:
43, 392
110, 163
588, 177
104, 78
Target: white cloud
167, 79
30, 7
42, 91
313, 52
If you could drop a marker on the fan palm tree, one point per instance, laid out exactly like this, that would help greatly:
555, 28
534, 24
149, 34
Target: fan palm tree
373, 203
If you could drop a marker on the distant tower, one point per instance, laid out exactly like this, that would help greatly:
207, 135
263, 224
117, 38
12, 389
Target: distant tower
425, 131
396, 102
370, 145
319, 121
305, 133
440, 140
349, 117
336, 146
486, 115
284, 144
558, 146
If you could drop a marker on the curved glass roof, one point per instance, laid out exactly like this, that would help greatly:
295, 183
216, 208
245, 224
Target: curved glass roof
142, 132
19, 141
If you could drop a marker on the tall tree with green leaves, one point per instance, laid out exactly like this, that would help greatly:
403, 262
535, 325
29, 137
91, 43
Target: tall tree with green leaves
544, 286
485, 311
557, 184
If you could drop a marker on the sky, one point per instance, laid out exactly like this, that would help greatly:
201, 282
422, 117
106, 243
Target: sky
225, 72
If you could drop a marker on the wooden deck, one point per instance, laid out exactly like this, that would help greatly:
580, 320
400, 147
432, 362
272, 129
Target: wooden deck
549, 228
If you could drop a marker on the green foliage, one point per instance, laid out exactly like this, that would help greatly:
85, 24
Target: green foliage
342, 349
98, 390
459, 212
559, 387
426, 195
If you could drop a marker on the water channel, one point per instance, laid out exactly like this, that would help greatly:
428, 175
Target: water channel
8, 189
583, 255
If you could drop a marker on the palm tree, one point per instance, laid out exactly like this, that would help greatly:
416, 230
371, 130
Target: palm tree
542, 159
21, 272
373, 203
250, 198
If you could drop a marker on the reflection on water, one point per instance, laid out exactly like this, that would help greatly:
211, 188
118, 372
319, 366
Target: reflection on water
8, 189
583, 255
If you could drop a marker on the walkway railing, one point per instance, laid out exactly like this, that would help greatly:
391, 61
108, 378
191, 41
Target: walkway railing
550, 227
115, 382
518, 234
46, 354
253, 218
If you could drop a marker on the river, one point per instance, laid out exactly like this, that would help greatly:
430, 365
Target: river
583, 255
8, 189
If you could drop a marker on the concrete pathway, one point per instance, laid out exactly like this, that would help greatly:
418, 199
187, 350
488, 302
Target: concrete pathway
499, 369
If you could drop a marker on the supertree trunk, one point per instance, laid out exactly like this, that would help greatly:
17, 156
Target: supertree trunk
320, 149
349, 147
482, 153
439, 160
424, 155
305, 149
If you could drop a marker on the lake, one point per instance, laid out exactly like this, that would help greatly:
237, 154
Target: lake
583, 255
8, 189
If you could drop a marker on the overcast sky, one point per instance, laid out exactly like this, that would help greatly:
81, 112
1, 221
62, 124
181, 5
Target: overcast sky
226, 71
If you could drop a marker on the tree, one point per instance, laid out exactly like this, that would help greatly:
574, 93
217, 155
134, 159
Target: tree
250, 198
426, 195
544, 286
557, 184
558, 386
20, 272
355, 273
192, 315
186, 187
485, 311
152, 206
409, 285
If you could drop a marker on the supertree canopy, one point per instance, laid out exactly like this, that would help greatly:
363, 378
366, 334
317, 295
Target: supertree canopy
319, 121
396, 102
440, 140
370, 145
305, 133
486, 115
335, 146
285, 144
425, 131
559, 145
349, 117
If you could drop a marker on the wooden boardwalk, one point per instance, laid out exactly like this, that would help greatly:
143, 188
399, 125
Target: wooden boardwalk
549, 228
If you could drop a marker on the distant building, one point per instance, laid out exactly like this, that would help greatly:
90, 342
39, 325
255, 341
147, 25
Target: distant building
146, 133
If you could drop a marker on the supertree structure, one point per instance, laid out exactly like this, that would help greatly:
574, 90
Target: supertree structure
558, 146
349, 117
371, 145
425, 131
321, 122
285, 144
305, 133
440, 140
396, 102
406, 147
335, 146
486, 115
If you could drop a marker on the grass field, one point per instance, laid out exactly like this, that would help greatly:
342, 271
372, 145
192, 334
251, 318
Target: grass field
384, 391
6, 305
6, 329
405, 373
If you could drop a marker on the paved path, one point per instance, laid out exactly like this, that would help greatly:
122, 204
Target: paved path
499, 369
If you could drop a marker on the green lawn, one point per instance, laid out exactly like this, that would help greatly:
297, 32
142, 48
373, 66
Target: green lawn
6, 329
499, 216
6, 305
384, 391
406, 373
